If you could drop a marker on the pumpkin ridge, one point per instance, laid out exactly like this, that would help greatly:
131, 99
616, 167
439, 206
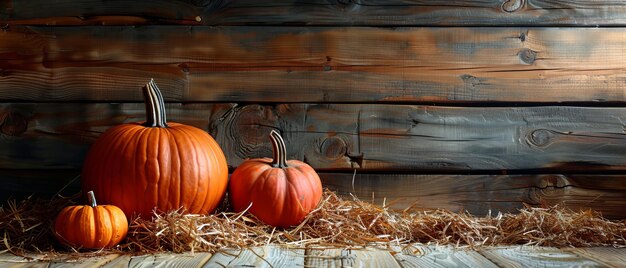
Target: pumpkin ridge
97, 231
113, 169
110, 136
214, 176
190, 155
153, 167
105, 180
198, 157
140, 175
111, 226
217, 162
179, 158
70, 235
162, 193
85, 230
271, 180
298, 181
310, 179
128, 166
181, 169
238, 182
61, 224
247, 191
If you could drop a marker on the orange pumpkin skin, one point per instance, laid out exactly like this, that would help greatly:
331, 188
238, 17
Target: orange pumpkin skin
280, 196
139, 168
91, 226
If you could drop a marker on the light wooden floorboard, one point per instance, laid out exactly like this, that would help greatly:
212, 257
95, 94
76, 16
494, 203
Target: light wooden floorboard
349, 258
545, 257
266, 256
410, 256
120, 262
98, 261
9, 260
440, 257
612, 257
170, 260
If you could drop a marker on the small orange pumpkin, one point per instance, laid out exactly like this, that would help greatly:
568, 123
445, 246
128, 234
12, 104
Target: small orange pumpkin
279, 192
91, 226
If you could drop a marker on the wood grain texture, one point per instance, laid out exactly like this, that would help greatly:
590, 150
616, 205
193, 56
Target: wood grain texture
8, 260
427, 138
345, 136
170, 260
338, 257
314, 64
439, 257
514, 257
120, 262
266, 256
477, 194
611, 257
108, 261
481, 194
318, 12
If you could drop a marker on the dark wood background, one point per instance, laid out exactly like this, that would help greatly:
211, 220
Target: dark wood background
476, 105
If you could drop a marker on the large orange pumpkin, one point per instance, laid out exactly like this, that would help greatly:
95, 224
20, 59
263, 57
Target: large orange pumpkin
142, 166
279, 192
91, 226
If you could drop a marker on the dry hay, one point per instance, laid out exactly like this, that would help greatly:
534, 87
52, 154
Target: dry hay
336, 222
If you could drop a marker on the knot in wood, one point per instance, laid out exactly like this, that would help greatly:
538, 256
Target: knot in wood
13, 123
183, 67
348, 5
553, 181
540, 137
511, 6
527, 56
333, 148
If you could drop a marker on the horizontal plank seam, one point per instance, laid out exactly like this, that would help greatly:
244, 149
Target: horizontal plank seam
442, 104
502, 24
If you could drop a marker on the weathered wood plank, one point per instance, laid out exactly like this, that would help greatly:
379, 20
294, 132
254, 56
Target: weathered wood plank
439, 257
342, 136
168, 260
109, 260
536, 257
337, 257
266, 256
611, 257
8, 260
20, 184
319, 12
398, 137
477, 194
120, 262
481, 194
314, 64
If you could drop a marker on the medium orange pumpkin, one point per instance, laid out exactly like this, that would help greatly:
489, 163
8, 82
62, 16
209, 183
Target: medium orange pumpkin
142, 166
91, 226
278, 191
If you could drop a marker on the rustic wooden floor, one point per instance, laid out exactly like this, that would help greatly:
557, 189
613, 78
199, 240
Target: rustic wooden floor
412, 256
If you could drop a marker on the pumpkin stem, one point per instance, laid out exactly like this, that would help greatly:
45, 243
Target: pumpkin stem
280, 150
155, 109
91, 198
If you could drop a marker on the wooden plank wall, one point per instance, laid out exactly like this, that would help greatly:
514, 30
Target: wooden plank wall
477, 105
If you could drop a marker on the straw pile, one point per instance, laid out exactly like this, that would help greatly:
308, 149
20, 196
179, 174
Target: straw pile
336, 222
